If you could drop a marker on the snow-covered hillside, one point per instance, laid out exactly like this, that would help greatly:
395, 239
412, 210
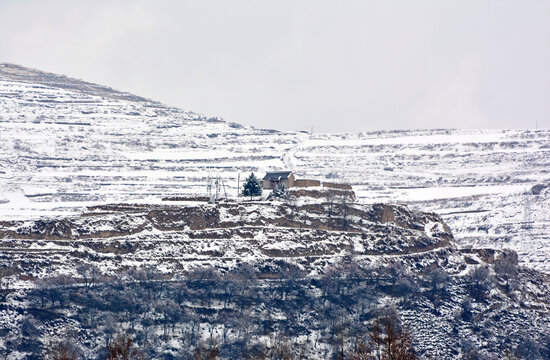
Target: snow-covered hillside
66, 144
177, 238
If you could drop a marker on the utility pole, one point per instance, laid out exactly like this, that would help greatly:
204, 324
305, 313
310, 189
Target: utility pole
224, 192
209, 189
217, 182
527, 219
238, 184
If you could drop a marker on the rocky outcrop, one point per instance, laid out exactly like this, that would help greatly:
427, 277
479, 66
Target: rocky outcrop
311, 233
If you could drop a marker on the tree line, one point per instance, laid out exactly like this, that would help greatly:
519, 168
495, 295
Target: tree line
261, 312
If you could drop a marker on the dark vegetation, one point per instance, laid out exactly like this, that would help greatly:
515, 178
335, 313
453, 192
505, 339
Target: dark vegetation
252, 186
402, 294
275, 312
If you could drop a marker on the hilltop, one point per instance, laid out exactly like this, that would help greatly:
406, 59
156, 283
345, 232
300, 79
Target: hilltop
89, 246
88, 145
181, 237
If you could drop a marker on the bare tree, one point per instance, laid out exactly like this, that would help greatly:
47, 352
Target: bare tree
387, 340
5, 273
207, 280
122, 348
62, 351
171, 314
438, 279
481, 282
330, 197
55, 289
506, 265
398, 341
89, 273
206, 352
279, 348
362, 349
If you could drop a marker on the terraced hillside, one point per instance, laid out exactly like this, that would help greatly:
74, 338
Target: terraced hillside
243, 273
67, 144
89, 246
177, 238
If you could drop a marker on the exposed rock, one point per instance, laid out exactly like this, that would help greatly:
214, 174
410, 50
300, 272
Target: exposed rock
228, 230
536, 190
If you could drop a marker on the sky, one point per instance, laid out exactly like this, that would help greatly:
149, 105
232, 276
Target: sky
333, 66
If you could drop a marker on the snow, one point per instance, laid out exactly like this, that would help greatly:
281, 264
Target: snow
64, 150
450, 192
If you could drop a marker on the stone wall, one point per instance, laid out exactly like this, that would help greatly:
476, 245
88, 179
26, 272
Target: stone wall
306, 183
337, 186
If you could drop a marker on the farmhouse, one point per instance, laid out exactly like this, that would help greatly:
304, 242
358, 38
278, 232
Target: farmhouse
286, 178
273, 178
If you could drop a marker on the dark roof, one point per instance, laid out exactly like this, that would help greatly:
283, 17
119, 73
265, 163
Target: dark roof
277, 175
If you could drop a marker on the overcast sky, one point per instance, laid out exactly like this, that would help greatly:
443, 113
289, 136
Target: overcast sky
338, 65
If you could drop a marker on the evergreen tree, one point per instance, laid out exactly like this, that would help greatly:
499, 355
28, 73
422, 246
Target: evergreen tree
252, 186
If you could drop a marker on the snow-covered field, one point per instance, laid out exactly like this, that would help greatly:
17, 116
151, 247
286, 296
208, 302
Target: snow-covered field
66, 145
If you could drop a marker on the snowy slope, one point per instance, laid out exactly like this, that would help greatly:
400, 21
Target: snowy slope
176, 238
66, 144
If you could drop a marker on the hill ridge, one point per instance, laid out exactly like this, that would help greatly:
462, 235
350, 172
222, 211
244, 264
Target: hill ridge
14, 72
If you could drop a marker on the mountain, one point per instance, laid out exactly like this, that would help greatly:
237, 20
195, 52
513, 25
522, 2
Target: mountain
86, 144
103, 226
